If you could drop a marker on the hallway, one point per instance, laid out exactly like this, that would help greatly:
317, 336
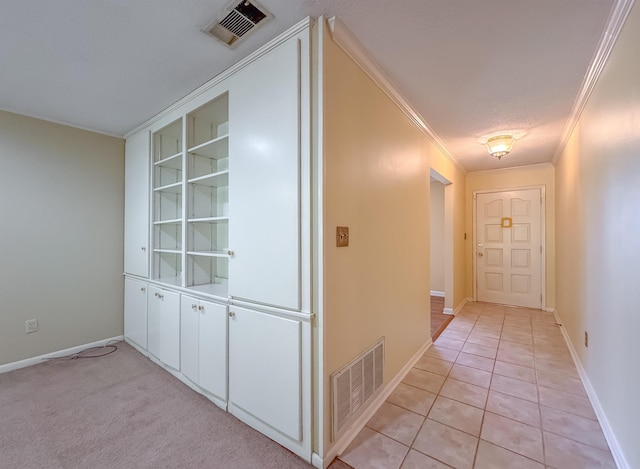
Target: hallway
498, 389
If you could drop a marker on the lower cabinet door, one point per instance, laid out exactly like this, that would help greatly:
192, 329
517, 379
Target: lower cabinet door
265, 368
135, 311
189, 326
203, 344
163, 308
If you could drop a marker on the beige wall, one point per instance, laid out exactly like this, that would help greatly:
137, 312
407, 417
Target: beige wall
376, 182
598, 261
513, 178
61, 238
436, 237
454, 213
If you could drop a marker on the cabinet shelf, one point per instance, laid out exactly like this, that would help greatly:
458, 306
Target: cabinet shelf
216, 148
174, 188
218, 179
171, 162
209, 253
168, 251
208, 220
216, 289
175, 221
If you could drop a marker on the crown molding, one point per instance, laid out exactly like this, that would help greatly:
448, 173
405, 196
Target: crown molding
354, 49
610, 35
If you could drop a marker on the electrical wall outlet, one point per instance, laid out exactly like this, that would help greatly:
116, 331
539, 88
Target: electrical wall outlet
586, 339
31, 326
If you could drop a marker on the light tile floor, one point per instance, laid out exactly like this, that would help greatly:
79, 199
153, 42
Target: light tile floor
498, 389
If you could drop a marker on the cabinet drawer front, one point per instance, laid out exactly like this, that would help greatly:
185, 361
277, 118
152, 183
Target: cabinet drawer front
265, 368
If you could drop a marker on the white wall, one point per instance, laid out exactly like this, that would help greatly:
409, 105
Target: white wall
61, 237
376, 182
598, 243
436, 228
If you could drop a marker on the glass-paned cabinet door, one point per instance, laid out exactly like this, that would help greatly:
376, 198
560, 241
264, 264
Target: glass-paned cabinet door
167, 151
208, 195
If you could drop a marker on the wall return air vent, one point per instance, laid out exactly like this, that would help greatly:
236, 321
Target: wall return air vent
355, 384
236, 21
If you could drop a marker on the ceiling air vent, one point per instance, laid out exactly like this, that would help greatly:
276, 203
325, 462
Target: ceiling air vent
236, 20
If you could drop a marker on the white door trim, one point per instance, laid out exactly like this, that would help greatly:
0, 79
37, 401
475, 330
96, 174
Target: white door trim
543, 238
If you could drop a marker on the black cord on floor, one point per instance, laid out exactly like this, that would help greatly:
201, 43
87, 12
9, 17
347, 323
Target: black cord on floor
89, 352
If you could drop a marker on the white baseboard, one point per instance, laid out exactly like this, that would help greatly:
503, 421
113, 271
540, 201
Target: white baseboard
60, 353
461, 305
448, 311
549, 310
352, 431
437, 293
614, 445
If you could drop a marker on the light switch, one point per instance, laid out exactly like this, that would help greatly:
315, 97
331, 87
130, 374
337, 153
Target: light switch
342, 236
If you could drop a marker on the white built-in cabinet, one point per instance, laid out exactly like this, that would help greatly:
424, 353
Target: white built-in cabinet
203, 344
136, 209
163, 328
218, 234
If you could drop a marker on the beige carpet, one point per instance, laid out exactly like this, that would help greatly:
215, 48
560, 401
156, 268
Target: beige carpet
121, 411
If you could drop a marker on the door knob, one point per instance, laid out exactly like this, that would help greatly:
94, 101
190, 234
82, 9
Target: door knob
480, 254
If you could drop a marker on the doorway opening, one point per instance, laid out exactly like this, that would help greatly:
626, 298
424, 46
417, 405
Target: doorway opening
441, 253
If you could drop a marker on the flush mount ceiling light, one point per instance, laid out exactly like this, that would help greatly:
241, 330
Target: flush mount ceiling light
500, 145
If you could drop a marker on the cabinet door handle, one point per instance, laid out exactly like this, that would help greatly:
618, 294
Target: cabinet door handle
230, 253
194, 306
144, 248
232, 314
200, 308
142, 289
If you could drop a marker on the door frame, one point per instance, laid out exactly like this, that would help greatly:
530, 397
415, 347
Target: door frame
448, 239
543, 238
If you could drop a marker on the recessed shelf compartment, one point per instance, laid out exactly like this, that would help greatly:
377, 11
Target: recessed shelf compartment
209, 238
168, 265
204, 270
168, 237
168, 171
167, 142
167, 207
209, 122
208, 201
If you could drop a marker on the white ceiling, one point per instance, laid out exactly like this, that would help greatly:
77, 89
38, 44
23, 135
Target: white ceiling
470, 68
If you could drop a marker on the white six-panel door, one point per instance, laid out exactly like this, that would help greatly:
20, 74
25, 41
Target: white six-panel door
509, 247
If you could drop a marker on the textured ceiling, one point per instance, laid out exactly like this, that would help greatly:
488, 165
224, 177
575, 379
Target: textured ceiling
469, 68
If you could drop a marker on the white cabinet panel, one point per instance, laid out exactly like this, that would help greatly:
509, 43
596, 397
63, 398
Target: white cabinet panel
163, 309
264, 179
265, 363
203, 344
212, 337
135, 311
136, 207
189, 337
